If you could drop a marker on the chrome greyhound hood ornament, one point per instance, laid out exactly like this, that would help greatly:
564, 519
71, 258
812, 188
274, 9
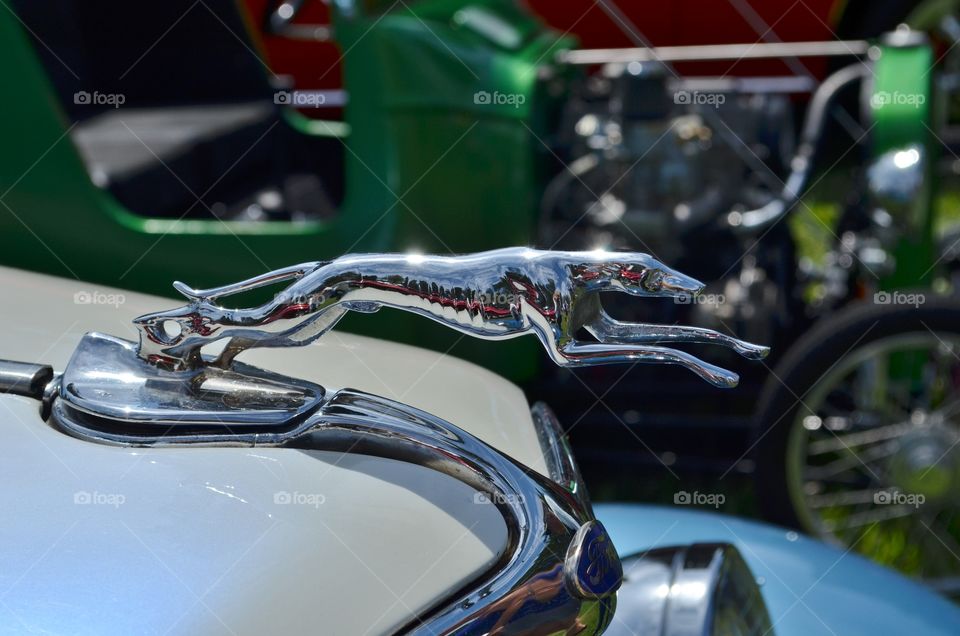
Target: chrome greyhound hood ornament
493, 295
168, 389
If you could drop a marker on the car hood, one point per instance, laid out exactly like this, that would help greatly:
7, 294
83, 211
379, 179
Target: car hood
101, 539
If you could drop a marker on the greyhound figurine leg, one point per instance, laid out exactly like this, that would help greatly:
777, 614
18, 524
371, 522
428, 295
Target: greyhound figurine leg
612, 331
575, 354
322, 322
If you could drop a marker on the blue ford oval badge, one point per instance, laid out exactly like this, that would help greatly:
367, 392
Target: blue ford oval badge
592, 568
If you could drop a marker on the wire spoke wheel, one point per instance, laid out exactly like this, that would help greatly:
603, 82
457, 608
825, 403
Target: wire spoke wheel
869, 442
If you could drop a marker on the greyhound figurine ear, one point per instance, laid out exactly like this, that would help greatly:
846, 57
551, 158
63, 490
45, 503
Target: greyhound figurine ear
263, 280
189, 292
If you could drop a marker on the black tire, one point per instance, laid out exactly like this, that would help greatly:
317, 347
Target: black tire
806, 362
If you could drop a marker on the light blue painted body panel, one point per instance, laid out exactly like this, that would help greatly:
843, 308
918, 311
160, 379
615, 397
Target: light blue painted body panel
811, 589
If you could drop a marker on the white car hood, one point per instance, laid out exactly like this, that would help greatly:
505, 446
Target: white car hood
100, 539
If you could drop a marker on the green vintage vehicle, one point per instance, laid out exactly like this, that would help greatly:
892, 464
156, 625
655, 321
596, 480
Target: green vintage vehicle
143, 138
201, 155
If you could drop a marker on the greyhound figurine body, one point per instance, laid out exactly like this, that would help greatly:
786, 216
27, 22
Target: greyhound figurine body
495, 295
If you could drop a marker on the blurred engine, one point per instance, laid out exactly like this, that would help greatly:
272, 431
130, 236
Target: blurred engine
652, 157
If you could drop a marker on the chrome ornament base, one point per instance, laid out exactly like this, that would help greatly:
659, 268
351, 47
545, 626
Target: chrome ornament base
559, 567
108, 380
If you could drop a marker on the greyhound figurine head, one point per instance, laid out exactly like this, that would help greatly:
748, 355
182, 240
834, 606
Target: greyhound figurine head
494, 295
